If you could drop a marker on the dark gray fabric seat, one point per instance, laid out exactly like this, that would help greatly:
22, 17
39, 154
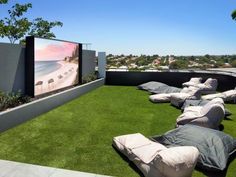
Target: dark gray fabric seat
215, 147
158, 87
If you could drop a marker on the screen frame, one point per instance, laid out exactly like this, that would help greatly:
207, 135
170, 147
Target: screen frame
30, 63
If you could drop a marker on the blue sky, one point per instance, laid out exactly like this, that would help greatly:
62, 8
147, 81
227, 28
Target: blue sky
179, 27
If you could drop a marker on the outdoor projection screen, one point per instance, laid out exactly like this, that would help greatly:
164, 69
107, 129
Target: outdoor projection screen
51, 65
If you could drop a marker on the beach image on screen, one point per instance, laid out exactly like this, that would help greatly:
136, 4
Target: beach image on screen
56, 65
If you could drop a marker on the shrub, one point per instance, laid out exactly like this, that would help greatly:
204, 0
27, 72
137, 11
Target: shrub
233, 63
89, 78
10, 100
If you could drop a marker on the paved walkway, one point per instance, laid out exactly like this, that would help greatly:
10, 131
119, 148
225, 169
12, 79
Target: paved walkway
16, 169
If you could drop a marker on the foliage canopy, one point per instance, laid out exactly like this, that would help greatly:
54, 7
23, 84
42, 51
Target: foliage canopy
16, 26
233, 15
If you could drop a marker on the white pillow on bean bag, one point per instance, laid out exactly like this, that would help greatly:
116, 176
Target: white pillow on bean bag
230, 95
208, 87
177, 161
154, 159
213, 96
210, 115
192, 82
160, 98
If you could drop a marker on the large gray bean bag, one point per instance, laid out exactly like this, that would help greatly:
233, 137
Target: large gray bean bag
188, 103
152, 85
154, 159
210, 115
158, 87
215, 147
166, 89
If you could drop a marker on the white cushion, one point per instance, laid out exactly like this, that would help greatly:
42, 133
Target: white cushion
160, 98
209, 86
212, 96
209, 115
193, 109
154, 159
134, 145
230, 95
193, 81
177, 161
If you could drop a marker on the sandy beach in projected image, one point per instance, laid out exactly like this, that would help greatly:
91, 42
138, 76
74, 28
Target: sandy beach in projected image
56, 65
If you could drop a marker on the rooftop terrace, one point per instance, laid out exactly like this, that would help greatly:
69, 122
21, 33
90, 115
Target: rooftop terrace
78, 135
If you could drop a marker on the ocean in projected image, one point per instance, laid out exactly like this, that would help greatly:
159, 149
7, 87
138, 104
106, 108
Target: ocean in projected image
43, 68
56, 65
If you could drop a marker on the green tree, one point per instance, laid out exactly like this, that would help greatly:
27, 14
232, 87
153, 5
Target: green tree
233, 15
179, 64
233, 64
16, 26
3, 1
41, 28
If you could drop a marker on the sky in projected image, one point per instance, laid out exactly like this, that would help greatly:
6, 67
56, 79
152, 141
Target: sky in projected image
48, 50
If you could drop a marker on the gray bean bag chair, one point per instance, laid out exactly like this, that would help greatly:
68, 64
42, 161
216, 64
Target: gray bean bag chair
158, 87
154, 159
215, 147
193, 81
152, 85
210, 115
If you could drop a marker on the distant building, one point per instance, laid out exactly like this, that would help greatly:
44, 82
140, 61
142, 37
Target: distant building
171, 59
213, 61
156, 61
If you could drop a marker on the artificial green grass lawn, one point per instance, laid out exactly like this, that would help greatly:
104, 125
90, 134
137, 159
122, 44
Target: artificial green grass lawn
78, 135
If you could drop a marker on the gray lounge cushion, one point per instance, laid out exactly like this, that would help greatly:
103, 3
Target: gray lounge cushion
158, 87
188, 103
166, 89
152, 85
215, 147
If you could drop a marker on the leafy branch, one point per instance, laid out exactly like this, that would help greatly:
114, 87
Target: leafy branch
3, 1
233, 15
16, 26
